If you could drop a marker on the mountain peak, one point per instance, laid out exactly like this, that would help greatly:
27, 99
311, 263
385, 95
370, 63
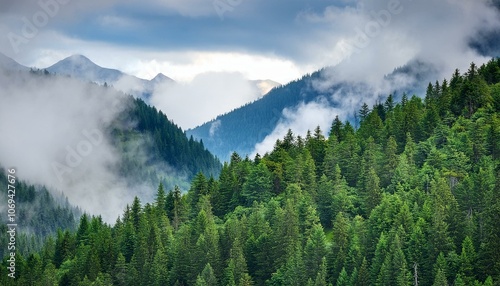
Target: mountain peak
159, 78
79, 60
79, 66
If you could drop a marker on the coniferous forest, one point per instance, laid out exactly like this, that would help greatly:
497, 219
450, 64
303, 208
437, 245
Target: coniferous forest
411, 197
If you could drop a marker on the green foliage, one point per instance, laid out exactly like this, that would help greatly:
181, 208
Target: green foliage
412, 196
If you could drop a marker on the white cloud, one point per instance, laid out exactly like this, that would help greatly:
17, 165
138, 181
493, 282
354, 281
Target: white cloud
213, 127
373, 37
49, 47
205, 97
300, 119
364, 50
54, 130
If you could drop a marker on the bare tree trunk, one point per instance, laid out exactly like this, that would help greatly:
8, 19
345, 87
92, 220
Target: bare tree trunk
415, 273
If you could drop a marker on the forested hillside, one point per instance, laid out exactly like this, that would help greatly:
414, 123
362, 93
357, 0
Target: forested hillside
41, 214
410, 197
241, 129
150, 149
166, 154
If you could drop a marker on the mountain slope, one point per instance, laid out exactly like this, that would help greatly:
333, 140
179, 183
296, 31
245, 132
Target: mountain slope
39, 213
80, 67
133, 149
9, 64
241, 129
165, 142
411, 195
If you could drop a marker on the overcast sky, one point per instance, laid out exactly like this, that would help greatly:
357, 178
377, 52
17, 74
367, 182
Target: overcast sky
203, 44
279, 39
261, 39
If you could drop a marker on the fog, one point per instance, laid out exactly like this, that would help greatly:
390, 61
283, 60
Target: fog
370, 39
54, 133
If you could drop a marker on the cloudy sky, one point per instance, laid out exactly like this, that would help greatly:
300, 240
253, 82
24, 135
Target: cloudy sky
261, 39
195, 41
279, 39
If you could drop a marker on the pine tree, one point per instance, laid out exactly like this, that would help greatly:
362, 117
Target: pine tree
399, 267
128, 241
315, 251
199, 188
331, 157
316, 145
468, 261
258, 185
381, 251
236, 270
292, 272
120, 271
391, 161
49, 275
207, 277
340, 245
363, 278
178, 208
343, 279
336, 130
324, 201
364, 111
372, 191
308, 176
159, 269
161, 200
389, 104
417, 251
490, 249
321, 275
222, 198
440, 279
82, 235
135, 213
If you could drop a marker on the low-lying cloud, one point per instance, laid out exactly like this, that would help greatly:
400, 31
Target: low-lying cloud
300, 119
372, 38
206, 96
55, 134
366, 41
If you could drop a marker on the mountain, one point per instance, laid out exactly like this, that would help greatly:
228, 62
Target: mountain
80, 67
160, 78
142, 146
9, 64
166, 142
410, 195
40, 214
241, 129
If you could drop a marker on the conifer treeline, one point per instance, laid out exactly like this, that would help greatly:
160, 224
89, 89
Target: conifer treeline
412, 195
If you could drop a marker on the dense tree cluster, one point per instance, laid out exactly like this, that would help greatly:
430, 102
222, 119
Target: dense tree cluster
165, 144
40, 212
411, 196
241, 129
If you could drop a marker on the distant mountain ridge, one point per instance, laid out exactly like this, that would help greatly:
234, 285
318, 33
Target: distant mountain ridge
7, 63
79, 66
241, 129
149, 147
